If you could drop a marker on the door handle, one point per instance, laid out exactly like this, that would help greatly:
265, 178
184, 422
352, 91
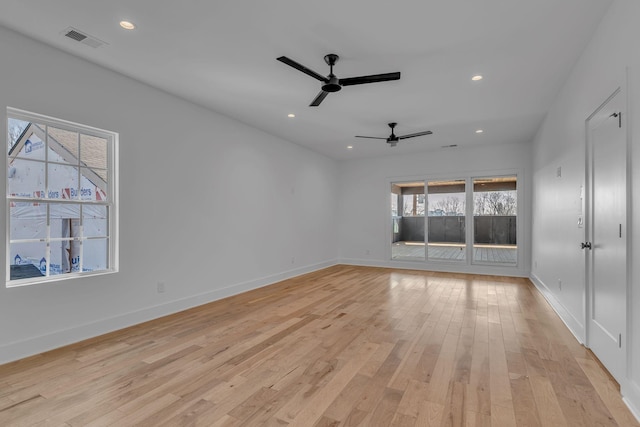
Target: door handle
585, 245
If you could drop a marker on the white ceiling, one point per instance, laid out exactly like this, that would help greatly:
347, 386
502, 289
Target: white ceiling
222, 55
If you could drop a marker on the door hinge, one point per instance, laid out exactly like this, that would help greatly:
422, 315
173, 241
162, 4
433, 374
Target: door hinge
620, 231
619, 340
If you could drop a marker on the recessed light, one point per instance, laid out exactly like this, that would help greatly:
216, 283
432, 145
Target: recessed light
476, 78
349, 147
127, 25
480, 131
291, 115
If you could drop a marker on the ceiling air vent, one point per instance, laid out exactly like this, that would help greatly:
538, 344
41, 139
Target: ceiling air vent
84, 38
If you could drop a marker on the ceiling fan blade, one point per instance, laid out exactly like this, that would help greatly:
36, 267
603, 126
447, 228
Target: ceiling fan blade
370, 137
321, 96
300, 67
374, 78
411, 135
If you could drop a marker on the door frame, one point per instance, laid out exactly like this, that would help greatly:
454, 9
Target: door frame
588, 225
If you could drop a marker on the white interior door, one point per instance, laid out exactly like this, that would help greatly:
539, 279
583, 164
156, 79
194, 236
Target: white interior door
606, 246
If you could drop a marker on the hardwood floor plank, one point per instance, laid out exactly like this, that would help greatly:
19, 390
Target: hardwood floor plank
430, 414
499, 383
454, 413
503, 416
385, 410
347, 399
343, 346
313, 410
413, 398
478, 396
549, 410
608, 391
524, 403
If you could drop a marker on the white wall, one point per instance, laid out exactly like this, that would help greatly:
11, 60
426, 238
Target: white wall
364, 218
208, 206
556, 201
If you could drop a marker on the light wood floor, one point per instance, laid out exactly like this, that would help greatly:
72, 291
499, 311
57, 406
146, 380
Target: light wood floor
343, 346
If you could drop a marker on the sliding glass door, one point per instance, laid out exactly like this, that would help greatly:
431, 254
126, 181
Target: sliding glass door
446, 224
407, 221
470, 220
495, 208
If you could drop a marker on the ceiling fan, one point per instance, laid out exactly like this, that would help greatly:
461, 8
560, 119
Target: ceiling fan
331, 83
393, 139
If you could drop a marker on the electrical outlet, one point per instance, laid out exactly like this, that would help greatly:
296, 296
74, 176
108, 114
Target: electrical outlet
293, 260
560, 284
367, 252
160, 287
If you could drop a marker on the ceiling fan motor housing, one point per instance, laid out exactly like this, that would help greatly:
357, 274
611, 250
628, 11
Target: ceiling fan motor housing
333, 85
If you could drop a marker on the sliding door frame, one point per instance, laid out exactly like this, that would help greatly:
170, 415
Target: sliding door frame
467, 265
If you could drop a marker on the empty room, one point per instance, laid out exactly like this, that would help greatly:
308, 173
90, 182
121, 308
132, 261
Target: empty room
360, 213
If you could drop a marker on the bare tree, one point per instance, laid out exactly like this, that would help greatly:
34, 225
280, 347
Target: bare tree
495, 203
450, 205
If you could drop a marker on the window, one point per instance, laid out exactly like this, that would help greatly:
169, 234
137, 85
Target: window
61, 199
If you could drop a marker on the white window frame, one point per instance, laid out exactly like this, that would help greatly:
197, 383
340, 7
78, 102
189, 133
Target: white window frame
111, 204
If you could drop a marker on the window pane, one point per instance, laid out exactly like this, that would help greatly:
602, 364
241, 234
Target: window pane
15, 130
93, 184
27, 260
495, 220
93, 151
28, 221
62, 211
63, 182
394, 204
94, 221
63, 145
26, 140
26, 178
407, 241
446, 226
65, 257
96, 254
413, 204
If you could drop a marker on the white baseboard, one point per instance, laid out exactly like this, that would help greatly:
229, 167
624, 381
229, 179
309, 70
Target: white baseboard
575, 325
36, 345
631, 397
